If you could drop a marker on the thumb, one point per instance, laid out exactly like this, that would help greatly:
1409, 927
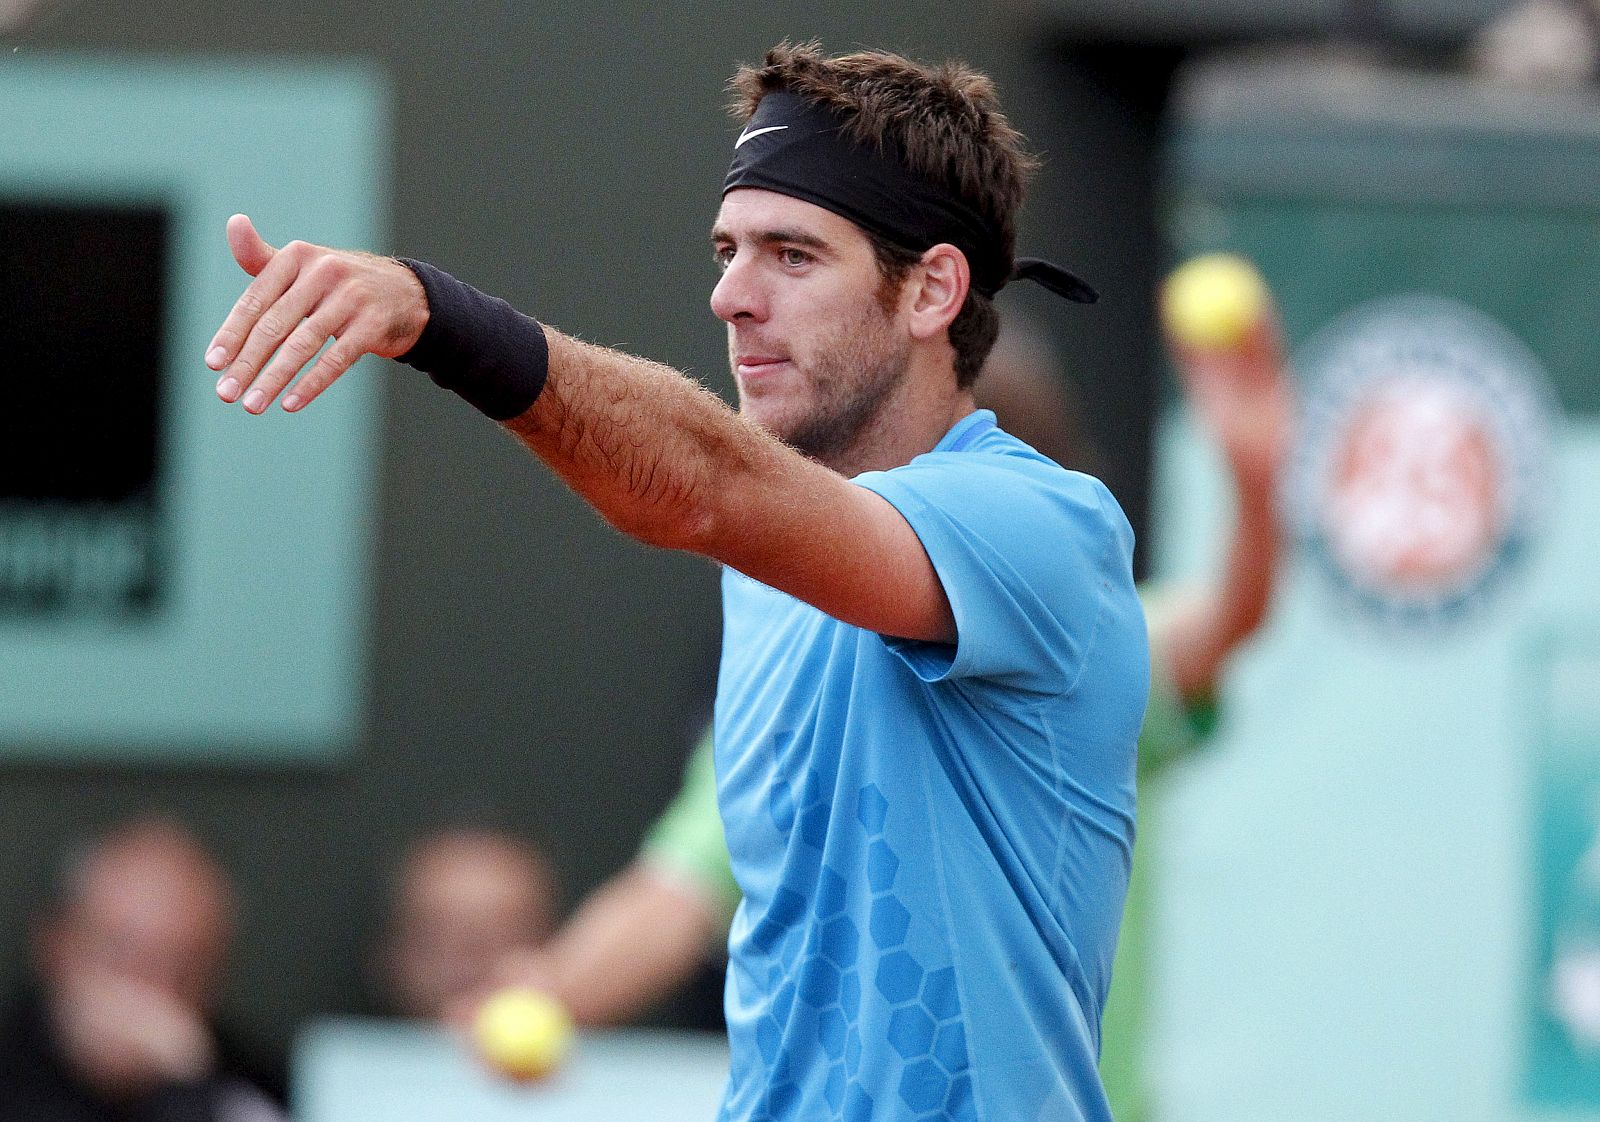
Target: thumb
248, 249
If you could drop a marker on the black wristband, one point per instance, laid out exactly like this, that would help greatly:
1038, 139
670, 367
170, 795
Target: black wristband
478, 346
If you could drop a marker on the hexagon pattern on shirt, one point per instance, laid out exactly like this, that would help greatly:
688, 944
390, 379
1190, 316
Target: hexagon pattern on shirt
847, 967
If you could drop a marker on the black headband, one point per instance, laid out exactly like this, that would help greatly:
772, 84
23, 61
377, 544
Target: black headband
799, 148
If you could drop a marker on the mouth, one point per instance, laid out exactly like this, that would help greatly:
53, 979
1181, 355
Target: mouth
755, 366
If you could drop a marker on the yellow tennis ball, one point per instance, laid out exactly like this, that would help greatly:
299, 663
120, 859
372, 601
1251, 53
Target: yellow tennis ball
522, 1033
1212, 302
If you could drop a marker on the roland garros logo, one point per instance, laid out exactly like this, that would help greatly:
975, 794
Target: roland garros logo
1423, 466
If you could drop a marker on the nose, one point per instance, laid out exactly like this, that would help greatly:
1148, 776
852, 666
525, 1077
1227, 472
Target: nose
739, 293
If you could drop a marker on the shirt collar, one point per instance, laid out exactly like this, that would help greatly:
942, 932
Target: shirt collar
965, 432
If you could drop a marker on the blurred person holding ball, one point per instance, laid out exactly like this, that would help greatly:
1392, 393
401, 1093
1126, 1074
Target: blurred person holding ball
934, 666
128, 961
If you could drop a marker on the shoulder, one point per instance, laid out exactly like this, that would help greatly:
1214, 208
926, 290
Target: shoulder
1003, 485
1035, 560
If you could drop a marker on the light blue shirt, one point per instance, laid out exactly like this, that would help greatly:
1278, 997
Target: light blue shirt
933, 840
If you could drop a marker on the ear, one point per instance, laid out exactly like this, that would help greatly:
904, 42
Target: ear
941, 285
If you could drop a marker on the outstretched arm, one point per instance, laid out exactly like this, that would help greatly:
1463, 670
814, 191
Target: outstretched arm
665, 461
655, 453
1240, 392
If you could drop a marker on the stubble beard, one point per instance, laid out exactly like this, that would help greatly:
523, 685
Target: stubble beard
851, 378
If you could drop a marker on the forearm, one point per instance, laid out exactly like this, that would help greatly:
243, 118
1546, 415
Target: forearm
1241, 393
666, 461
639, 441
1197, 641
633, 941
654, 452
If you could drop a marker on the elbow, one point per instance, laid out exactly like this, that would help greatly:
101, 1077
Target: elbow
698, 504
669, 518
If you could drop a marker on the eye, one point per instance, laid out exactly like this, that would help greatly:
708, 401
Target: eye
722, 255
794, 258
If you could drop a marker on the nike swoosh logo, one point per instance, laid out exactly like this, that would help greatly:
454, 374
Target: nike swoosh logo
749, 134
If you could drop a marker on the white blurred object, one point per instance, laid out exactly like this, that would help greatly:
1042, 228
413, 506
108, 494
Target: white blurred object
1575, 994
1575, 973
240, 1102
1540, 43
392, 1071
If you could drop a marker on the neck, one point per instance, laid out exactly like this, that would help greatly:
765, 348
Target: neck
910, 421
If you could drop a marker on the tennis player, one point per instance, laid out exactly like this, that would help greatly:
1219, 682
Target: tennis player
934, 664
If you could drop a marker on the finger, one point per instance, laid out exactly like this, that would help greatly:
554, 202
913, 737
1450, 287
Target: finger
338, 358
271, 329
262, 293
363, 332
525, 966
249, 250
460, 1012
297, 350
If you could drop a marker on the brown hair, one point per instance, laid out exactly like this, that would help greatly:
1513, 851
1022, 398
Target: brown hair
944, 122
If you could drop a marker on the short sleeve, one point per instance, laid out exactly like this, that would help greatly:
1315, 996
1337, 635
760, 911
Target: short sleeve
1033, 558
687, 840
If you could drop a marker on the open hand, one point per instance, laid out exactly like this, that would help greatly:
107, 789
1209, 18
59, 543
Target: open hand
302, 296
125, 1037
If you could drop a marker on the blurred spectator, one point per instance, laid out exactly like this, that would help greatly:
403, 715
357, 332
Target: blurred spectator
1021, 384
462, 900
15, 13
128, 961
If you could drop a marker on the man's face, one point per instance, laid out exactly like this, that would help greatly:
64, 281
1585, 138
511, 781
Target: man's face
815, 344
